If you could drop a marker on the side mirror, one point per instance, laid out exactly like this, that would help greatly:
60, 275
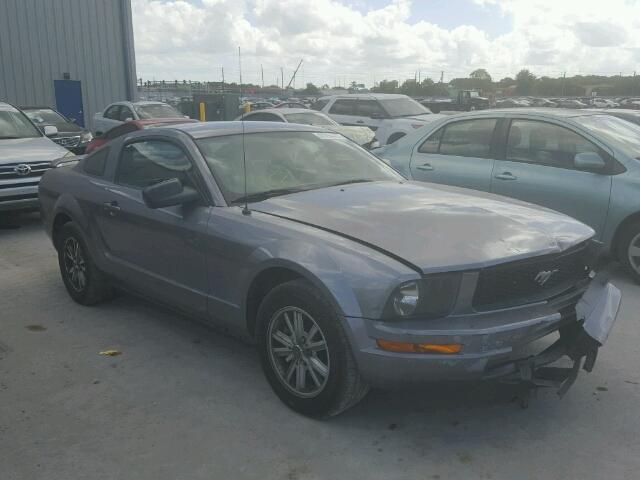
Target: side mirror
374, 144
169, 193
589, 161
50, 131
73, 120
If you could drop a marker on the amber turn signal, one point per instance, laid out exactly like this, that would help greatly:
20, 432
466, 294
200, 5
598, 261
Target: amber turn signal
403, 347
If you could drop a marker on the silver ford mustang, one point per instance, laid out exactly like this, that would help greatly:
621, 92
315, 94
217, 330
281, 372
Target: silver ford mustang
343, 273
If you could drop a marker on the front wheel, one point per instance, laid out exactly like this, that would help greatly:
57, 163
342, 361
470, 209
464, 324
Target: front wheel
304, 351
629, 250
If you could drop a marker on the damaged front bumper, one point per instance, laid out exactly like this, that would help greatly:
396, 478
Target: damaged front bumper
595, 314
493, 342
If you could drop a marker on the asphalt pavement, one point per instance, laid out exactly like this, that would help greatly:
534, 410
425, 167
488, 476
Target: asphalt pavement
182, 401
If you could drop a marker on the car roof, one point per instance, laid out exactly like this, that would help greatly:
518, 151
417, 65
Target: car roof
365, 96
542, 112
284, 111
218, 129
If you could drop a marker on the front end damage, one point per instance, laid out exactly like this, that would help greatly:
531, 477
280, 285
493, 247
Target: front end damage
587, 330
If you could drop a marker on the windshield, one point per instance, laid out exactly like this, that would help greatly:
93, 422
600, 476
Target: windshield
620, 133
309, 118
14, 124
284, 162
157, 110
44, 116
403, 107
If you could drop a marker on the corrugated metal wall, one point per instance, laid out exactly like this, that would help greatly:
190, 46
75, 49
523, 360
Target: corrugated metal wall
90, 39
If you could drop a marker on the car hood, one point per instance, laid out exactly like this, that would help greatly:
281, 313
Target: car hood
360, 135
26, 150
433, 228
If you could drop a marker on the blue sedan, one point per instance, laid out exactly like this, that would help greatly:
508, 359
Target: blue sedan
583, 164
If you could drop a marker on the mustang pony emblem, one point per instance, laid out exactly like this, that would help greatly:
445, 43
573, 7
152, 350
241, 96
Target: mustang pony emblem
543, 276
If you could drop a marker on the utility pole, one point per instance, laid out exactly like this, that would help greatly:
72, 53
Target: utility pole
564, 75
222, 78
262, 73
633, 85
442, 76
294, 74
282, 79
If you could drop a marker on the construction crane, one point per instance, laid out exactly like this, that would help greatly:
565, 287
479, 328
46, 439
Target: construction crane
294, 74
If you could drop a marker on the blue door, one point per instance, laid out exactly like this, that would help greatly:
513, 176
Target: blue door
69, 99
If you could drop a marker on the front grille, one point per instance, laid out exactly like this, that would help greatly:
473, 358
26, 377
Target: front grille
531, 280
23, 170
67, 141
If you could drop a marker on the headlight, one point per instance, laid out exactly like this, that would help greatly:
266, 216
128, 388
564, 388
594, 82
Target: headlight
405, 299
86, 137
431, 297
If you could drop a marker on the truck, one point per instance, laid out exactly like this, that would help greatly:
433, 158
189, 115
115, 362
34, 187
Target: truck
458, 100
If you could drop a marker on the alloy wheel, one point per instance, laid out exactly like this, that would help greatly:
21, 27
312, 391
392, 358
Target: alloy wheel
74, 264
298, 352
634, 253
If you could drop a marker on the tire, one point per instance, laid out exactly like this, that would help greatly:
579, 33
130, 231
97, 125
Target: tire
317, 395
88, 285
629, 250
395, 137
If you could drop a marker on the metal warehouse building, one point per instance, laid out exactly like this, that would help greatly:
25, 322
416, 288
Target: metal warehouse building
74, 55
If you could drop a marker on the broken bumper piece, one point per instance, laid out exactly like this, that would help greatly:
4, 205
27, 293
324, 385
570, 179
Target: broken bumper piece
596, 313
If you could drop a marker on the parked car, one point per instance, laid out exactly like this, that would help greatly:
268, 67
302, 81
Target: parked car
291, 105
261, 105
542, 102
363, 136
132, 126
580, 163
603, 103
286, 234
70, 135
511, 103
399, 114
120, 112
25, 154
571, 103
630, 103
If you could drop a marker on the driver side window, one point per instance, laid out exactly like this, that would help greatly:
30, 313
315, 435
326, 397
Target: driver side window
148, 162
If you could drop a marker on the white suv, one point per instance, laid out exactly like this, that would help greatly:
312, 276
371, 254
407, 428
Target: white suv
391, 116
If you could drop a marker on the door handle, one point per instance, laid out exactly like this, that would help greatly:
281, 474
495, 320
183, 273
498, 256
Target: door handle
425, 166
506, 176
111, 208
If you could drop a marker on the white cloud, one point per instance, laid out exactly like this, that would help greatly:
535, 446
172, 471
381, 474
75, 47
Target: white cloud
177, 39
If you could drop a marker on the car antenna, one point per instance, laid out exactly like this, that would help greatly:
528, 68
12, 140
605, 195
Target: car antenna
245, 210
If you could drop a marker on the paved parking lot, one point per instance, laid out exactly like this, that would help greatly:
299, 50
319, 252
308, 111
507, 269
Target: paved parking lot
185, 402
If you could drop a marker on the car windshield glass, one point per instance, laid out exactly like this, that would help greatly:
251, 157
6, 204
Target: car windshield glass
44, 116
13, 124
157, 111
285, 162
403, 107
309, 118
620, 133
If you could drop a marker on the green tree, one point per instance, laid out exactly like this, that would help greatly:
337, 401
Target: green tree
525, 82
311, 89
480, 74
386, 86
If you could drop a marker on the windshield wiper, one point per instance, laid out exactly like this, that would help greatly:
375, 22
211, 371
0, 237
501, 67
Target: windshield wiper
355, 180
259, 196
